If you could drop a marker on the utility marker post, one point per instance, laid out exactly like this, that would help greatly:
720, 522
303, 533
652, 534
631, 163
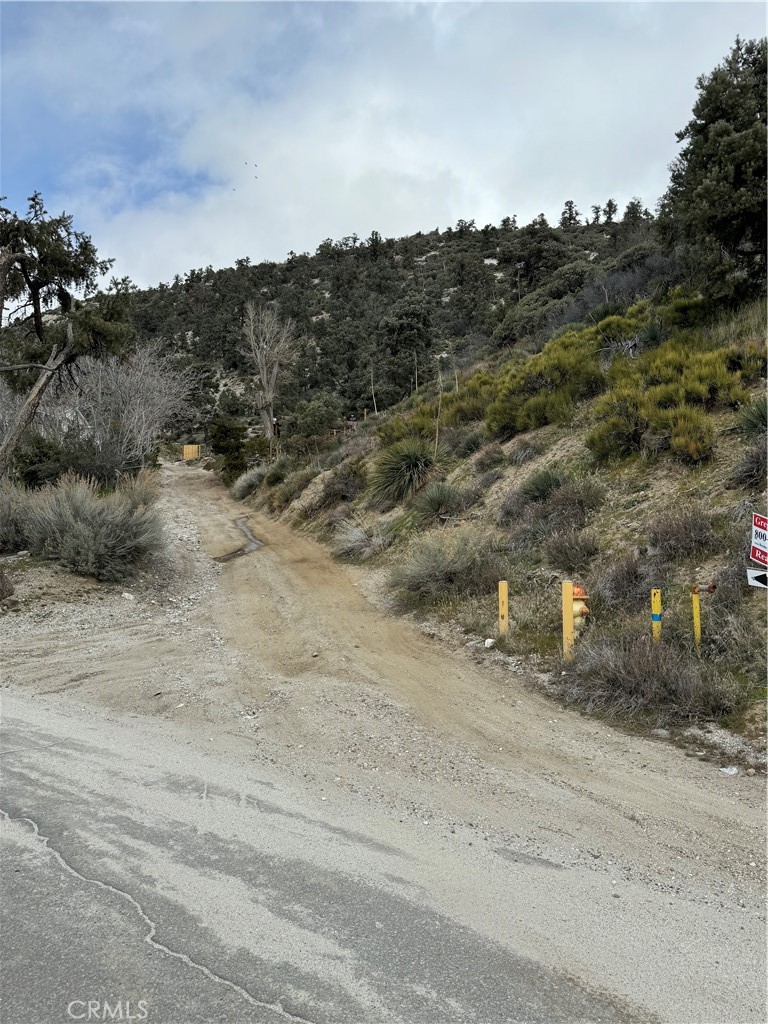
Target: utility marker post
567, 620
656, 613
503, 607
696, 606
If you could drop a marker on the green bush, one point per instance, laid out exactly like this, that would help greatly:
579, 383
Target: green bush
541, 484
621, 423
451, 563
546, 388
276, 473
102, 536
248, 481
401, 470
438, 500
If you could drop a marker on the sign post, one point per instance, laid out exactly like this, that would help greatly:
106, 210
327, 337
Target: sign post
503, 607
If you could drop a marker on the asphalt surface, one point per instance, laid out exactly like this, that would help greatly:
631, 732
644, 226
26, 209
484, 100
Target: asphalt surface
148, 879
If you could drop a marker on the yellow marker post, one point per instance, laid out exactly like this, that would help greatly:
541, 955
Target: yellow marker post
503, 607
696, 603
656, 613
567, 620
190, 452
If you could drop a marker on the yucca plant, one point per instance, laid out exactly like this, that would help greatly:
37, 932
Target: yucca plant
401, 470
438, 500
753, 418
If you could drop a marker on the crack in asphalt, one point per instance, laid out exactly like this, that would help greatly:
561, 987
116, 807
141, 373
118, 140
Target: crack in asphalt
149, 937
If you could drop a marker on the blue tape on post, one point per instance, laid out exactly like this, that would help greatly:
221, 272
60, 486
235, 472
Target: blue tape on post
655, 618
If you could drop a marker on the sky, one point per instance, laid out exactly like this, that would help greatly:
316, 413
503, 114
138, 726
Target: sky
146, 121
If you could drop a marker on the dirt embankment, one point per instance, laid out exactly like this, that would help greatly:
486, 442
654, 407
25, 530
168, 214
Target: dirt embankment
278, 656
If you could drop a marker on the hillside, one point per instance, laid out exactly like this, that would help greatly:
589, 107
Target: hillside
622, 470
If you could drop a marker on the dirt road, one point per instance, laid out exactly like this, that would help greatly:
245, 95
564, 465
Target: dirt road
627, 865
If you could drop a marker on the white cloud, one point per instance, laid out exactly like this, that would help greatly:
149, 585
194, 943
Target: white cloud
394, 117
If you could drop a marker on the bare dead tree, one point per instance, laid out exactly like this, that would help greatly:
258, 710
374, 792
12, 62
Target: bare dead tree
117, 409
270, 344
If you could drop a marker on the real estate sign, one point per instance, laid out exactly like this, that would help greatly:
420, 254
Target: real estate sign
759, 548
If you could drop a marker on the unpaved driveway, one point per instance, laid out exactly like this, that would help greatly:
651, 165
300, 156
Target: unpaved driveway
619, 861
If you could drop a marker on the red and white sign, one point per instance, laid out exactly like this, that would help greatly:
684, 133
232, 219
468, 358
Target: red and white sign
759, 549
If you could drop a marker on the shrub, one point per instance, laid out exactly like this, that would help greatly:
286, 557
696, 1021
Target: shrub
281, 496
539, 486
248, 481
14, 512
546, 387
228, 440
462, 441
511, 507
448, 564
101, 536
691, 434
439, 500
276, 473
753, 418
628, 675
522, 452
680, 532
358, 542
141, 489
752, 469
401, 470
571, 550
344, 484
573, 501
490, 457
486, 480
621, 423
625, 580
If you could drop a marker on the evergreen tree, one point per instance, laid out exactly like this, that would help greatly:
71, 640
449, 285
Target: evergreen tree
715, 205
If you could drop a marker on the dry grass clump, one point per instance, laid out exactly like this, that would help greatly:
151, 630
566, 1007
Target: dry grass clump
248, 481
751, 471
571, 550
629, 675
358, 541
625, 580
682, 531
490, 457
455, 563
523, 451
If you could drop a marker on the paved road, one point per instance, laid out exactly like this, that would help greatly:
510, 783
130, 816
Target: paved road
143, 871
